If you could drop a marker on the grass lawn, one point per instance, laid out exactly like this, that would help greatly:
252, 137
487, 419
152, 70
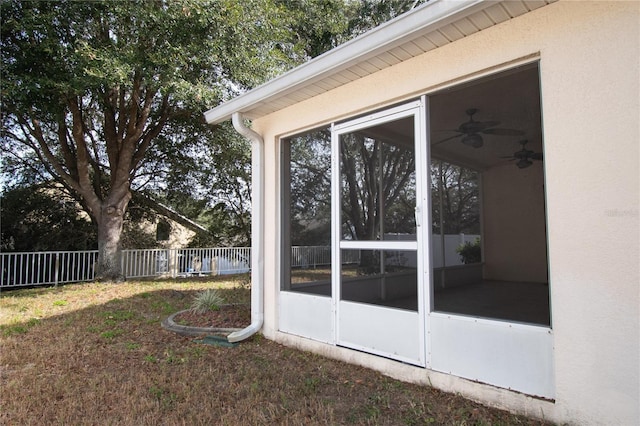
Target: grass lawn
96, 354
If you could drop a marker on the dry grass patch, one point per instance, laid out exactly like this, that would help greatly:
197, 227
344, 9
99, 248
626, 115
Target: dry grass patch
96, 354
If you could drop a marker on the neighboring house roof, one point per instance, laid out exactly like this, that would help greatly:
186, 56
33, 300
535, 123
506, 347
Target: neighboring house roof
425, 28
170, 213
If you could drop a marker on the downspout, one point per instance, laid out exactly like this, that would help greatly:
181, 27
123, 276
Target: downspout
257, 229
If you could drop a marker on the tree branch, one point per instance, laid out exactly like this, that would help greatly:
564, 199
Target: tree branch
151, 134
83, 158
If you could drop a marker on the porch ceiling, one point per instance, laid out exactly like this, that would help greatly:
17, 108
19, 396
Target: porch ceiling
511, 99
425, 28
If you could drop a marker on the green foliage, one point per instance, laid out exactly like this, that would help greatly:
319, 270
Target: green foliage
132, 346
207, 300
470, 252
21, 328
46, 218
319, 26
151, 359
456, 194
105, 97
111, 334
33, 219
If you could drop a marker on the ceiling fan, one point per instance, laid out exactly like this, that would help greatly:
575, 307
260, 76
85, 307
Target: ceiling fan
470, 130
524, 156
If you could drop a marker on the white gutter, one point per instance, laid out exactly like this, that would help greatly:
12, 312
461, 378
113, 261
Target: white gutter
257, 229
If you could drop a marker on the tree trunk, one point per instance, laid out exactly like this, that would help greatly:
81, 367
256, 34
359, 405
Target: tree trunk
110, 227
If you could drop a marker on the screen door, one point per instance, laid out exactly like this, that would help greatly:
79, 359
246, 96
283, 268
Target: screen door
376, 224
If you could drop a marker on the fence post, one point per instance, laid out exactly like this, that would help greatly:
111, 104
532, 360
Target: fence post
55, 272
173, 262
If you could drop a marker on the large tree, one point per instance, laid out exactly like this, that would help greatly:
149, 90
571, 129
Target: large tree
106, 98
106, 95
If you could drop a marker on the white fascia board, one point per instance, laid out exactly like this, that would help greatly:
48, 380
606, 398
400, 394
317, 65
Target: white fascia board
428, 17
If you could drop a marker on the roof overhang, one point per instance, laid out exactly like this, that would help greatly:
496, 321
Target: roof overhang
432, 25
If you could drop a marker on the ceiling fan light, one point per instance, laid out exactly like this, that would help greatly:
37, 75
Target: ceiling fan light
473, 139
524, 163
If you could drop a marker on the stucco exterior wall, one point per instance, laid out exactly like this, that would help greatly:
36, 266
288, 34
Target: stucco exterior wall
589, 61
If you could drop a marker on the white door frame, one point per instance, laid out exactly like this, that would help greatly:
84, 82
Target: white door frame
389, 332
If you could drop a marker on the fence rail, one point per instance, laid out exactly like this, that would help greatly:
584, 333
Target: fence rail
184, 262
45, 268
59, 267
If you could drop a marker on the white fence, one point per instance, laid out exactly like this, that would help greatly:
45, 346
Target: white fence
185, 262
59, 267
44, 268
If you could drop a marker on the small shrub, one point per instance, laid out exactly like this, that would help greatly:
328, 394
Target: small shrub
470, 252
207, 300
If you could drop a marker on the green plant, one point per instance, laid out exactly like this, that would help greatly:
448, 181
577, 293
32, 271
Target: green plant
163, 306
470, 252
207, 300
13, 329
111, 334
150, 358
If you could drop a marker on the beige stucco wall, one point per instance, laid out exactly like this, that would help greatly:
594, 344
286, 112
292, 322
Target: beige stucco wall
589, 55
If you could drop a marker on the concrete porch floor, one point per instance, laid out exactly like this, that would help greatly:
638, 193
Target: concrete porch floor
503, 300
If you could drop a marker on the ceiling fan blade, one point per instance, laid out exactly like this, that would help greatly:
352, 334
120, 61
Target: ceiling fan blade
487, 124
503, 132
537, 156
470, 127
447, 139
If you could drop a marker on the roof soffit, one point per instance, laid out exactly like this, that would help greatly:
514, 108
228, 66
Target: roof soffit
425, 28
